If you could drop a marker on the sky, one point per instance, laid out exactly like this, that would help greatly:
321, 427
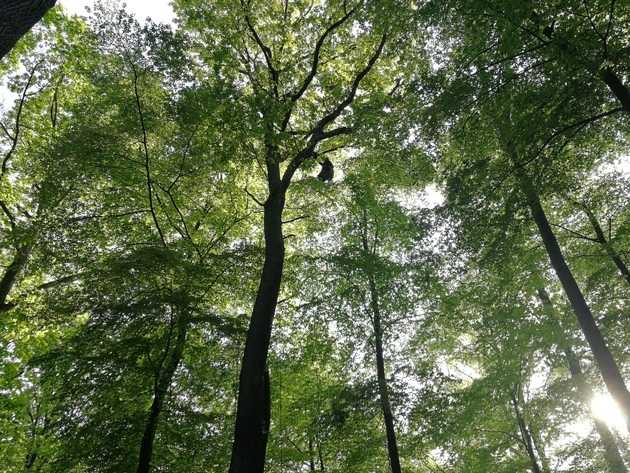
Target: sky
157, 10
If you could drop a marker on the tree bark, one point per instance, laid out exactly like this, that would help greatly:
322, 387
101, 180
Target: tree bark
612, 455
17, 17
388, 417
11, 274
617, 87
253, 407
163, 380
525, 434
605, 361
601, 239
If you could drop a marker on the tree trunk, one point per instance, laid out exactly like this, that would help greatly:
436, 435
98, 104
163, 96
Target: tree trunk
601, 239
163, 381
11, 275
253, 408
617, 87
611, 450
525, 434
605, 361
320, 454
17, 17
311, 454
388, 417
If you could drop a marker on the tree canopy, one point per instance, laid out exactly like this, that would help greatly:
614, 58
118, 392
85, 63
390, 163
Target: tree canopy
328, 236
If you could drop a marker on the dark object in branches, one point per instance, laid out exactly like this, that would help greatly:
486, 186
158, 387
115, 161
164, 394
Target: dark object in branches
327, 172
549, 29
17, 17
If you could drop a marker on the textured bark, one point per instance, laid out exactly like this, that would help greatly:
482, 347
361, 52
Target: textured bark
617, 87
11, 274
612, 455
253, 408
17, 17
526, 436
388, 417
164, 377
605, 361
606, 245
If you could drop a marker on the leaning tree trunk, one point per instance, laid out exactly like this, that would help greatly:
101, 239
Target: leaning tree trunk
526, 436
17, 17
163, 380
388, 417
606, 245
254, 403
611, 450
11, 274
605, 361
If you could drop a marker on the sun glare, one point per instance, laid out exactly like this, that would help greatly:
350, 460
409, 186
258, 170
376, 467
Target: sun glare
605, 409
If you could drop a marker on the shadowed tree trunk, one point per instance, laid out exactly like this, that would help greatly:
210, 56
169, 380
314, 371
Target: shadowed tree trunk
17, 17
611, 450
388, 417
163, 379
617, 87
11, 274
605, 361
253, 409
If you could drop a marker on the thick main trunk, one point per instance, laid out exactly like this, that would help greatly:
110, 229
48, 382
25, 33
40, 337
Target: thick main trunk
605, 361
11, 274
617, 87
601, 239
163, 381
17, 17
388, 417
525, 435
611, 450
253, 408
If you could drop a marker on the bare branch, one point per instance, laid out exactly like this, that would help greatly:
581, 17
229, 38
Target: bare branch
316, 55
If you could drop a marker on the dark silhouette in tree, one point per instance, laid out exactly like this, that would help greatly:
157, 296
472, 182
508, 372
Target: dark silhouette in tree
17, 17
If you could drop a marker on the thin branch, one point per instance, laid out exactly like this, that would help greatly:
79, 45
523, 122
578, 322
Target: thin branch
146, 154
294, 97
254, 198
574, 233
284, 222
18, 117
273, 72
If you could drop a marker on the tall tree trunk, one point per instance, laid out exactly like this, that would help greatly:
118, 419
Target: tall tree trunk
253, 408
525, 433
163, 380
611, 450
605, 361
320, 454
17, 17
311, 454
540, 449
618, 88
388, 417
600, 236
11, 274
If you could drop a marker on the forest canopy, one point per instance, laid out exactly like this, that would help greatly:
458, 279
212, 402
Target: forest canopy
350, 236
